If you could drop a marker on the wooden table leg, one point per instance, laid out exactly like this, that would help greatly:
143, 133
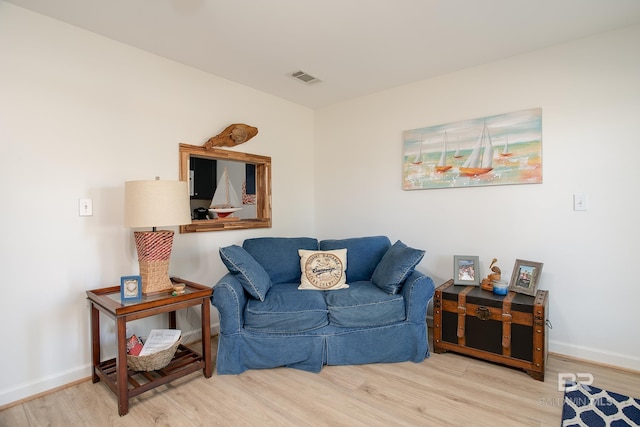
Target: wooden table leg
121, 367
172, 320
95, 343
205, 314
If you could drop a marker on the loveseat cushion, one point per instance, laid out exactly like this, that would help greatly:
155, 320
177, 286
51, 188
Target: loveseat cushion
279, 255
364, 305
253, 278
363, 254
396, 265
285, 309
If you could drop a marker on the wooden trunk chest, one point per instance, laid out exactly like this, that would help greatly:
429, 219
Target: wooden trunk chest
508, 329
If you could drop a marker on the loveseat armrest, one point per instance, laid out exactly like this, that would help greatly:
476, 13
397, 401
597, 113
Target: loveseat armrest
418, 289
230, 299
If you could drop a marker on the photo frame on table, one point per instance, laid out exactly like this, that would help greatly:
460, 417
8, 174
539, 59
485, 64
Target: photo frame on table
466, 270
130, 288
525, 277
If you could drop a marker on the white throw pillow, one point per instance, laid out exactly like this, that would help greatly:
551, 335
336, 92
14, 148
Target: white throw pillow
323, 270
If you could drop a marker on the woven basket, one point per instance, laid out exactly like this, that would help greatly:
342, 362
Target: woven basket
154, 361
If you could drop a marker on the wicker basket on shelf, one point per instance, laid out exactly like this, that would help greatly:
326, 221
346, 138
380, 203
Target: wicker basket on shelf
154, 361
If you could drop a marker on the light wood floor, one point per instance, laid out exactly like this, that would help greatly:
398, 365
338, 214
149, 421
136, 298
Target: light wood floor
446, 389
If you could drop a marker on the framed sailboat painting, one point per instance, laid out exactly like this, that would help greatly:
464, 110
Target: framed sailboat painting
495, 150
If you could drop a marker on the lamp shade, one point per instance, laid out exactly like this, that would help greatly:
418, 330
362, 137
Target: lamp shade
156, 203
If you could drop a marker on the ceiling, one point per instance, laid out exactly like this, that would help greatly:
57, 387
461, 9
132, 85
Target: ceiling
355, 47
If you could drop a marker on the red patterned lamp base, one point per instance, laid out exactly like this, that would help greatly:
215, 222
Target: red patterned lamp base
154, 251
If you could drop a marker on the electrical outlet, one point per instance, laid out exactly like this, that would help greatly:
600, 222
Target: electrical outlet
580, 202
85, 207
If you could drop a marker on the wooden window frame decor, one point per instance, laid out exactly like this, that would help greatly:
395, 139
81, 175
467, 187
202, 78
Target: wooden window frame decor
129, 294
462, 261
494, 150
525, 277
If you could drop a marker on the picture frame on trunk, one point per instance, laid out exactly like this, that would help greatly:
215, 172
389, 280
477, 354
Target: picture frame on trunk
466, 270
525, 277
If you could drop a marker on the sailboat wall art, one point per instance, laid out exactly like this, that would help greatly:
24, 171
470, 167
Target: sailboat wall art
497, 150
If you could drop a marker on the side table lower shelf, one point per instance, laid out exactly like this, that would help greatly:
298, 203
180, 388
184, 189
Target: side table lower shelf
184, 362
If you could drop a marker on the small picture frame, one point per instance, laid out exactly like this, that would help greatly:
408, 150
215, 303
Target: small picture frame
466, 270
525, 277
130, 288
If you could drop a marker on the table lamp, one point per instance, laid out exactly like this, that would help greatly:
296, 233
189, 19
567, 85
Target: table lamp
155, 204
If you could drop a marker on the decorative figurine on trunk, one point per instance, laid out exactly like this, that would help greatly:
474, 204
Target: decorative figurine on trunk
494, 276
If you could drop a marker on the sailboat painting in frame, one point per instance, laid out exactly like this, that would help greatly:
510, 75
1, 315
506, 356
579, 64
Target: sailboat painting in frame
495, 150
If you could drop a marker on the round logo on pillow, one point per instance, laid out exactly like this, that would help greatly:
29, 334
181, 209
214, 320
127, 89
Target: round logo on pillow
323, 270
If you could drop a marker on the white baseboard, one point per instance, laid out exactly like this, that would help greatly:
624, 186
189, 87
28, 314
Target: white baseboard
196, 335
52, 382
588, 354
37, 387
624, 361
25, 391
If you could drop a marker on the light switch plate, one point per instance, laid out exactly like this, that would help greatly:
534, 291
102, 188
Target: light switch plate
580, 202
85, 207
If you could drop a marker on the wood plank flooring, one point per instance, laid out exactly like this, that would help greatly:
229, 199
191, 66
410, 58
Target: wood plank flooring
444, 390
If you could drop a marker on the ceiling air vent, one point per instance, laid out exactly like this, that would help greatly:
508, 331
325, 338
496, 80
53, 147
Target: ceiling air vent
305, 78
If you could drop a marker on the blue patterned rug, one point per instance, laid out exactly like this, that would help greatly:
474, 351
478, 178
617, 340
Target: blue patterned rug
586, 405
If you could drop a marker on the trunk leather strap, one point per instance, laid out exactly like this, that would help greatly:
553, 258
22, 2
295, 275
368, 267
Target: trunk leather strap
462, 311
506, 323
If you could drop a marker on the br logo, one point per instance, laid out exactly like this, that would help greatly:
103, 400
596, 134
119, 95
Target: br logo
568, 381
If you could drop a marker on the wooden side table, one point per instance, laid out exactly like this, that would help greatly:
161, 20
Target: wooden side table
114, 372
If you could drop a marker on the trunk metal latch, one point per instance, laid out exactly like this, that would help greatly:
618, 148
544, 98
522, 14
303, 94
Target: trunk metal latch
483, 313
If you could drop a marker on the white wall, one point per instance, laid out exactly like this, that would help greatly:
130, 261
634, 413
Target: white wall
589, 91
79, 116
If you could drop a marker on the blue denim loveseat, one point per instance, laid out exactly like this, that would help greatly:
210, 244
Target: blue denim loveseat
267, 322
